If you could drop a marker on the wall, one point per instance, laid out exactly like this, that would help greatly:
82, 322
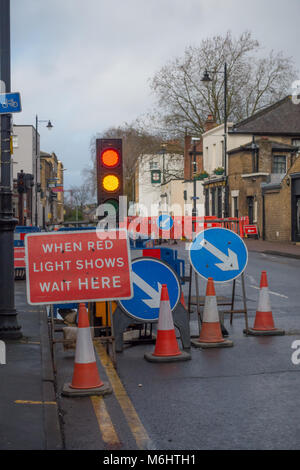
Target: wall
24, 158
149, 194
213, 146
278, 211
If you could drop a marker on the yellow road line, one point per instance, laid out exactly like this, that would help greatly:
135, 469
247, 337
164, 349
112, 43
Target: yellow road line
107, 429
139, 433
29, 402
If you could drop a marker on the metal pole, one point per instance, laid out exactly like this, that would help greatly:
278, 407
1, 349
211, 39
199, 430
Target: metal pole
194, 214
9, 328
36, 170
226, 212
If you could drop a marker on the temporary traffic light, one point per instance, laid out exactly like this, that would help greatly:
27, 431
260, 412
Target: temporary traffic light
109, 171
29, 181
21, 182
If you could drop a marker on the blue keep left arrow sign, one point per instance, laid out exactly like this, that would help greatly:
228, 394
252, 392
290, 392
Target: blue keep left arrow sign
218, 253
148, 275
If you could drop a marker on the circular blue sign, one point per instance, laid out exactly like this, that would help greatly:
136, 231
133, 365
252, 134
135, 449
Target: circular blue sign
218, 253
165, 222
148, 275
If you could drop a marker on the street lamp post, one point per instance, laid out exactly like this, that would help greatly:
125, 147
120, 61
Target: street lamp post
163, 153
9, 328
49, 127
206, 78
193, 175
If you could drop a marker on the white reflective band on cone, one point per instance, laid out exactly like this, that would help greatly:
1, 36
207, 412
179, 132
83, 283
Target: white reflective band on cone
264, 300
165, 320
84, 347
210, 314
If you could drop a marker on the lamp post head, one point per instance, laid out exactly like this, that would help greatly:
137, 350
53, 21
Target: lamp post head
49, 126
206, 78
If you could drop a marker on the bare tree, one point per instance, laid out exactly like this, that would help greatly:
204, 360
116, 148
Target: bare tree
253, 83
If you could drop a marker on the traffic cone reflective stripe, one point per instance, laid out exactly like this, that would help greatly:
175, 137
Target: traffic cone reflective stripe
85, 375
166, 342
264, 317
211, 329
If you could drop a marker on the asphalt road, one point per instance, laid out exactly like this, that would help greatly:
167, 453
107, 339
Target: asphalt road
245, 397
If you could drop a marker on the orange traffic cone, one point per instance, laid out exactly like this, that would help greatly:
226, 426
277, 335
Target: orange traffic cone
166, 347
86, 379
264, 323
211, 333
182, 301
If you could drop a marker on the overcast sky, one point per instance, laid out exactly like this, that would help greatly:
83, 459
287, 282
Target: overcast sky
86, 64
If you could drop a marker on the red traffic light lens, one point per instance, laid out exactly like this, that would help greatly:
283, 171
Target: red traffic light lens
110, 158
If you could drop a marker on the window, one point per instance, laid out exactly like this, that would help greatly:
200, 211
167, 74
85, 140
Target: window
235, 207
296, 142
279, 164
206, 201
153, 165
219, 203
213, 201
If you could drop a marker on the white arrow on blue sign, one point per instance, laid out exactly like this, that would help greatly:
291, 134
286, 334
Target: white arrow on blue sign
148, 275
165, 222
218, 253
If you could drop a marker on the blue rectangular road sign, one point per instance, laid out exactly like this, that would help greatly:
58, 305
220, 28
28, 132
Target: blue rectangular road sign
10, 103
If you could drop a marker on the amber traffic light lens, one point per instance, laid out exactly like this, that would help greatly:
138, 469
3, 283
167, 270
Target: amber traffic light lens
110, 158
111, 183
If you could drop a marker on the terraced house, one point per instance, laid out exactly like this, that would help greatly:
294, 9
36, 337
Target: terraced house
264, 174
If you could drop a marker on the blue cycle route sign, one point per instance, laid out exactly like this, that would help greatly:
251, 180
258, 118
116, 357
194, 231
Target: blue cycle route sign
148, 275
218, 253
165, 222
10, 103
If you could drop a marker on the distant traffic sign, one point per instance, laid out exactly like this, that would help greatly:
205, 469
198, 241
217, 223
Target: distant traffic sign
148, 275
218, 253
81, 266
165, 222
10, 103
250, 230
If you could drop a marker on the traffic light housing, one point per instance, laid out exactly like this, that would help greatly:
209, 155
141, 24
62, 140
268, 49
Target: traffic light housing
109, 171
21, 182
29, 181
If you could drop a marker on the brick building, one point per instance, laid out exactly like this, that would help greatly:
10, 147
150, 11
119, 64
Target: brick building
263, 175
250, 167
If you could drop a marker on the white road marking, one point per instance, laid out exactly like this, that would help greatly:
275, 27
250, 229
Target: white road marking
270, 292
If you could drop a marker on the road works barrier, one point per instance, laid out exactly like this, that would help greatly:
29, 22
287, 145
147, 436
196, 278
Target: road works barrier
19, 250
264, 322
165, 254
19, 263
86, 379
166, 347
211, 334
181, 226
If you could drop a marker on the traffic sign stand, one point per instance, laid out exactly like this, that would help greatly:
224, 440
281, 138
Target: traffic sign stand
221, 301
109, 338
122, 321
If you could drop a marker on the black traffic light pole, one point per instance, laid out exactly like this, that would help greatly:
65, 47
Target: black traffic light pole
9, 328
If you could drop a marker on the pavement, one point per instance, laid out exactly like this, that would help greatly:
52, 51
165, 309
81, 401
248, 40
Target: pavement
289, 250
34, 416
28, 403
